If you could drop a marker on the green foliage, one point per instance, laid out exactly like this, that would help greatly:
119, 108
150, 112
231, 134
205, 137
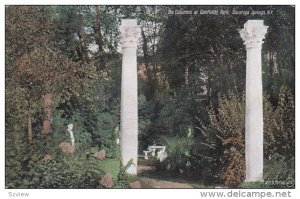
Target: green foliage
227, 122
189, 157
25, 167
111, 166
83, 139
179, 151
69, 173
123, 177
166, 116
253, 185
173, 118
280, 55
279, 125
22, 157
279, 171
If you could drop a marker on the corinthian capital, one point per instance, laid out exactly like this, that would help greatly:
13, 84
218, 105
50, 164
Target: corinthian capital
129, 33
253, 33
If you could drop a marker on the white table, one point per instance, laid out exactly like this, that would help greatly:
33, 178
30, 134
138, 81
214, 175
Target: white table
152, 150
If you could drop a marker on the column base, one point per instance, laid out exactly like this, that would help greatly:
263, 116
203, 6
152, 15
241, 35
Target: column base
132, 170
254, 180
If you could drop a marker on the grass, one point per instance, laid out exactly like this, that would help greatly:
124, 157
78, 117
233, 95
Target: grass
266, 185
111, 166
108, 165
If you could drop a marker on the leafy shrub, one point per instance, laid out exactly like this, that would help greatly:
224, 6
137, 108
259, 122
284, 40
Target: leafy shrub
279, 125
102, 132
166, 115
25, 167
66, 172
105, 132
227, 122
82, 137
124, 178
70, 172
179, 154
279, 172
21, 157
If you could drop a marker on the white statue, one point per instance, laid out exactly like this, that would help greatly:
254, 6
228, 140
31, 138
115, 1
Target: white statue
70, 128
162, 154
146, 155
153, 152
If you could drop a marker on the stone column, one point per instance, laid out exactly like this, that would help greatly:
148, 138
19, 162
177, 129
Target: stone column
129, 98
253, 34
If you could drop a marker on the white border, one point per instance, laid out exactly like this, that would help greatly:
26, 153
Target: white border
152, 2
112, 193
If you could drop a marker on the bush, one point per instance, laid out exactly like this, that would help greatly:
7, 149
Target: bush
124, 179
102, 132
105, 132
25, 167
69, 172
179, 154
164, 115
279, 126
227, 122
21, 158
66, 172
279, 172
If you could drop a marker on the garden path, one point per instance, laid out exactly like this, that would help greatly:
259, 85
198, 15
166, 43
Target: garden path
153, 182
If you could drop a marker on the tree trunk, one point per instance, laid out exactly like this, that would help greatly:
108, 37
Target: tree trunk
98, 38
186, 75
29, 125
145, 49
47, 101
209, 85
271, 63
150, 71
84, 55
83, 51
